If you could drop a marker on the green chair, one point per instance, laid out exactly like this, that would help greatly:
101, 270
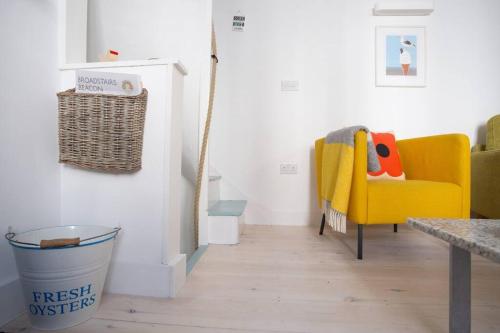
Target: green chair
485, 168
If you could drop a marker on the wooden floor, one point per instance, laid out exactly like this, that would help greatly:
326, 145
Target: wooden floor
289, 279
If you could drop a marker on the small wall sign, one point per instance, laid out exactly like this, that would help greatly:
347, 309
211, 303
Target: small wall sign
92, 82
238, 22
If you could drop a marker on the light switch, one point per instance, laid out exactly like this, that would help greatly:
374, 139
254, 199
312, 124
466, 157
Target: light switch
287, 85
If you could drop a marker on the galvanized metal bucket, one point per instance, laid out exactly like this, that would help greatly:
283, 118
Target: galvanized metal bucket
62, 271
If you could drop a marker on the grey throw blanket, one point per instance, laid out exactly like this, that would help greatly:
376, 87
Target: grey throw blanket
337, 170
346, 135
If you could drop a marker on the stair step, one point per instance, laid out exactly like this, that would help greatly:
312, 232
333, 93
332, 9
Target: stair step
227, 208
195, 257
214, 178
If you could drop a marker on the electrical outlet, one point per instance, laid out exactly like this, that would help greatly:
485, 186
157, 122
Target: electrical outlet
288, 168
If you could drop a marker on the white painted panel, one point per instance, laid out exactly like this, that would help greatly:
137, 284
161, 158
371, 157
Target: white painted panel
145, 204
172, 163
225, 229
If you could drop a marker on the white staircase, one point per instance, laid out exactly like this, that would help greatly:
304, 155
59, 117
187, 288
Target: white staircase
226, 218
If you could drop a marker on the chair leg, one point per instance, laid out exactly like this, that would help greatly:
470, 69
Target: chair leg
322, 225
360, 241
395, 227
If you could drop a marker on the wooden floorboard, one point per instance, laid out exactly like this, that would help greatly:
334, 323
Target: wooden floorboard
290, 279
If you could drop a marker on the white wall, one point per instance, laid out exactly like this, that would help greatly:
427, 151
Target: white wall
29, 190
73, 32
329, 47
141, 29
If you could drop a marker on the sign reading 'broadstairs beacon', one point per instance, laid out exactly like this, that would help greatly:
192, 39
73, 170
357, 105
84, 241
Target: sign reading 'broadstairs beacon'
91, 82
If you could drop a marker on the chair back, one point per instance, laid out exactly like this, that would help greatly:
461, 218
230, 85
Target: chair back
493, 133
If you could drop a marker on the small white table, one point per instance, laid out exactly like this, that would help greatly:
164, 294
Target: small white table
481, 237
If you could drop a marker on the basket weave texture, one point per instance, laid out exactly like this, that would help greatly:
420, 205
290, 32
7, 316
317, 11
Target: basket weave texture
101, 132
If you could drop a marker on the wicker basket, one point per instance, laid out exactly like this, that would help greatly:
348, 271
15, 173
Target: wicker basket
101, 132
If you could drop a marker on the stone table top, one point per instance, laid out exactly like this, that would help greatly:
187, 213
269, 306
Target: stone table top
481, 237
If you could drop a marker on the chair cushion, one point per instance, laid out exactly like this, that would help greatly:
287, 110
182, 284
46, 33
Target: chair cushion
388, 156
392, 201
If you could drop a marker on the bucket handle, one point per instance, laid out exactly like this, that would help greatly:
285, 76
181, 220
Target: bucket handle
10, 237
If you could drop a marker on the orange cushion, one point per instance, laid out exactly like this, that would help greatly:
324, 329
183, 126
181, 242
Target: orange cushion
388, 156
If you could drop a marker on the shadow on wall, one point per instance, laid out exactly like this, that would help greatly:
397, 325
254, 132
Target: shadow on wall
188, 169
315, 211
481, 134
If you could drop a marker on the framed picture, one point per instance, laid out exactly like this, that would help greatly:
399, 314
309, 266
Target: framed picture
400, 57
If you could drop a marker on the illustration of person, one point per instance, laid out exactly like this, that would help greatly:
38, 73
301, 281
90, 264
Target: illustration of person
405, 60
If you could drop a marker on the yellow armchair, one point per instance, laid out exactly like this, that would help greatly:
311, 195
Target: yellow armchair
437, 183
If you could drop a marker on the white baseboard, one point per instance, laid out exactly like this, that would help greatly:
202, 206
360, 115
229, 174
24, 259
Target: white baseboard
177, 278
145, 279
296, 218
259, 216
11, 301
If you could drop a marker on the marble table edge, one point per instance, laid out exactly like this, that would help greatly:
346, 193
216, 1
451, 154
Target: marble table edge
454, 239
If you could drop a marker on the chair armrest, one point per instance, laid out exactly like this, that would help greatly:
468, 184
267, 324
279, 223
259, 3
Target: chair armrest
357, 211
358, 199
443, 158
485, 183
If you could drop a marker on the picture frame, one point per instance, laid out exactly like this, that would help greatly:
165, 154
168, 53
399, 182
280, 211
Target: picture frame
400, 56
